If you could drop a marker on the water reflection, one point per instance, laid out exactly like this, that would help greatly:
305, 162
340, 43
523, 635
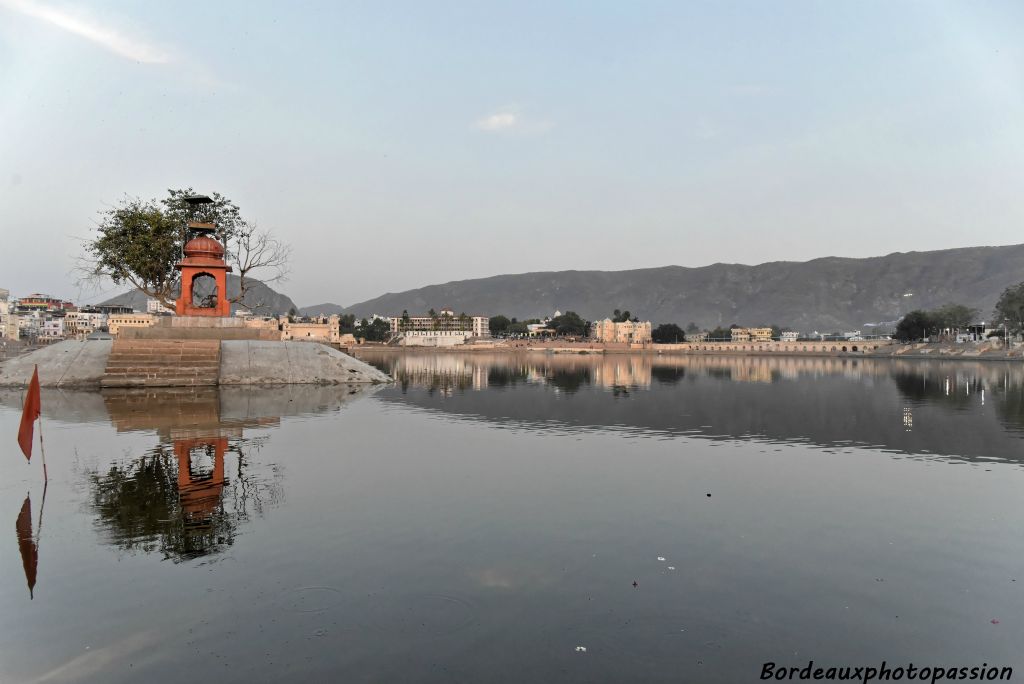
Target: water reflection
185, 497
176, 499
28, 545
969, 409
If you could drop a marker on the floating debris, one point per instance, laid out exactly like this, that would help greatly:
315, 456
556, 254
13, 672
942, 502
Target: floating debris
581, 649
635, 585
671, 567
661, 558
994, 621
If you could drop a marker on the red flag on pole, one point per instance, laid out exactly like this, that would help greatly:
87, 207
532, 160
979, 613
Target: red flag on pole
29, 414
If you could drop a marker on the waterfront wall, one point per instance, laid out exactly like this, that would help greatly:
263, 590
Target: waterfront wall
799, 347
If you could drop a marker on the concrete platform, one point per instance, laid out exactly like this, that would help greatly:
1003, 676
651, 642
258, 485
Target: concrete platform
66, 364
250, 362
83, 364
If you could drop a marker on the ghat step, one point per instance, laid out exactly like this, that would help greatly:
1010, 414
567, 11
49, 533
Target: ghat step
162, 363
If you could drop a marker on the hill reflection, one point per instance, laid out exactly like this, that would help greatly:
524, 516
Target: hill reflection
962, 409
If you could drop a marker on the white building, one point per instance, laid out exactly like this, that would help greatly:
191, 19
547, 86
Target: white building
629, 332
29, 324
52, 328
155, 306
8, 320
80, 324
789, 336
444, 328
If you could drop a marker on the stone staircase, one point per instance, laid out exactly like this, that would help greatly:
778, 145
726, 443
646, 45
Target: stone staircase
162, 363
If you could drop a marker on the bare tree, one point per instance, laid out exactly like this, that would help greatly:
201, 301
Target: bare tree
255, 249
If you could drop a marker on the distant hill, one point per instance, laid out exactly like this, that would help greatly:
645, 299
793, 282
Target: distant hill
825, 294
322, 310
259, 297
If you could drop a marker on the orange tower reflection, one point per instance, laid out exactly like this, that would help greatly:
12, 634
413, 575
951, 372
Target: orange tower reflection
196, 433
200, 492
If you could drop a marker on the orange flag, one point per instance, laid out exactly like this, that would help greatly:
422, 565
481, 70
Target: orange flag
29, 414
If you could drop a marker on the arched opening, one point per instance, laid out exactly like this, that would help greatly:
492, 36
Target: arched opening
204, 291
844, 347
853, 348
201, 463
833, 348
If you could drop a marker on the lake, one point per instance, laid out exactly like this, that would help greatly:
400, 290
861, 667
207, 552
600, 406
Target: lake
521, 517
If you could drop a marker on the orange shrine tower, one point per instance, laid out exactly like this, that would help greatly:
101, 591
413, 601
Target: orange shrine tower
204, 260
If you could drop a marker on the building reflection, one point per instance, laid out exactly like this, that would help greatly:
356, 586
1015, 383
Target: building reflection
187, 495
956, 407
458, 371
200, 492
176, 499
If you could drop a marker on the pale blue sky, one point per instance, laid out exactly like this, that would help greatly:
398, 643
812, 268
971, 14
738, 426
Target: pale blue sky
402, 144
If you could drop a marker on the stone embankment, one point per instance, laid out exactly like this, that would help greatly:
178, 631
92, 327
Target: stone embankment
183, 363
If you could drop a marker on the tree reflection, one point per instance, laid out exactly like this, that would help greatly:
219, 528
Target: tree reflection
176, 499
569, 380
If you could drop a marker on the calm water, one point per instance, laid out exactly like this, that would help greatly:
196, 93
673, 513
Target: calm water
487, 515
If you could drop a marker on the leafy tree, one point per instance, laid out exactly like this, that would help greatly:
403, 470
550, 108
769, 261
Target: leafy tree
776, 332
569, 323
347, 323
517, 328
291, 314
691, 328
720, 333
499, 324
406, 322
621, 316
916, 325
139, 241
954, 316
1010, 308
668, 332
919, 323
377, 331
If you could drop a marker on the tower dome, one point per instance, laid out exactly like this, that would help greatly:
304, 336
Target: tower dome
204, 247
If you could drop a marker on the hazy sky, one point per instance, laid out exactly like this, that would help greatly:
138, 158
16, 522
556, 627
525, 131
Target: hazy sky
396, 145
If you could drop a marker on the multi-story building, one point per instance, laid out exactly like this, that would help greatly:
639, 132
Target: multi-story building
322, 329
29, 324
52, 328
444, 322
751, 334
790, 336
629, 332
8, 319
111, 309
116, 322
80, 324
44, 302
697, 337
155, 306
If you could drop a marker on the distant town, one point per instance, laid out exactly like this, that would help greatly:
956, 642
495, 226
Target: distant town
39, 319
